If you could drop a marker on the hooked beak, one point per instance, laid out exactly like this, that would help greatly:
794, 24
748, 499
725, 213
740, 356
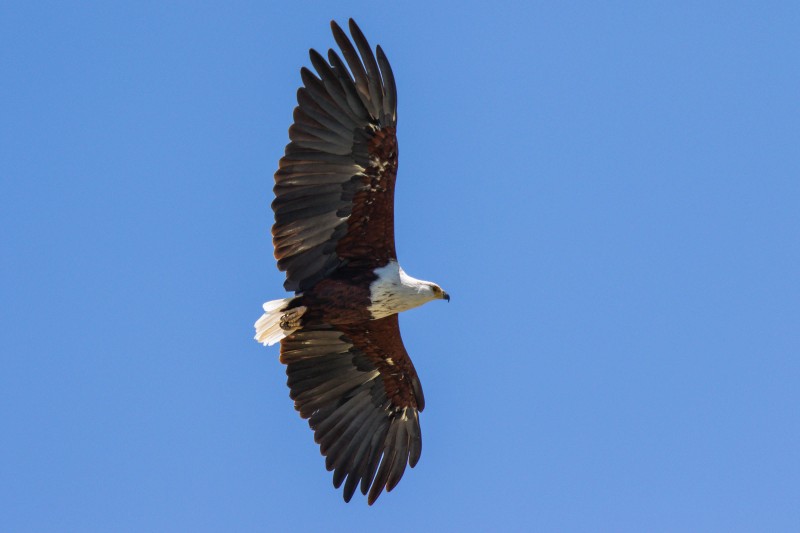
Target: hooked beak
445, 296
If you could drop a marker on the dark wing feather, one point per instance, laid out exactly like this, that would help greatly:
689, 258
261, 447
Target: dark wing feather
338, 171
359, 391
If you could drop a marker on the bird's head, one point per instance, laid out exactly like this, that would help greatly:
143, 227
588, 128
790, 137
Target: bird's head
439, 293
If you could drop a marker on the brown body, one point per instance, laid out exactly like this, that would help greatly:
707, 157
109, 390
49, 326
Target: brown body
338, 300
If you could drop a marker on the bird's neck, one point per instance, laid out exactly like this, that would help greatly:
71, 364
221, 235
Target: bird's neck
395, 291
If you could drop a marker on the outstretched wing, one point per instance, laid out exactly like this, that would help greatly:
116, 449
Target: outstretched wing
359, 391
334, 189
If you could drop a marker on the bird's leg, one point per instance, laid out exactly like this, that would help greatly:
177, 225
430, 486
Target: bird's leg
291, 318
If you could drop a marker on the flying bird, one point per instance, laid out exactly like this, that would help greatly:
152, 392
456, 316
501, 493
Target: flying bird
348, 371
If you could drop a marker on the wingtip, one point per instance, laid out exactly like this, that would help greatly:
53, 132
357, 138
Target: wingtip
338, 32
355, 31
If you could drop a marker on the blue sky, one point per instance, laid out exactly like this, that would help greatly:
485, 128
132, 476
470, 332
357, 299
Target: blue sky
610, 194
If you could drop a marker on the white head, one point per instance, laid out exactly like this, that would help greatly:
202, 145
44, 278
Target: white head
434, 291
426, 290
395, 291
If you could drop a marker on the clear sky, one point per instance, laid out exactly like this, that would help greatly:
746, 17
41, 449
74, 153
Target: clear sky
610, 193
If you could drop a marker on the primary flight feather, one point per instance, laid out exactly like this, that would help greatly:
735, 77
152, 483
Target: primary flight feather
348, 371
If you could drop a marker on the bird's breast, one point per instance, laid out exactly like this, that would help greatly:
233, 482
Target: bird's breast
388, 294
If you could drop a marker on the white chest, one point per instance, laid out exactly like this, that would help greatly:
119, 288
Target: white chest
395, 291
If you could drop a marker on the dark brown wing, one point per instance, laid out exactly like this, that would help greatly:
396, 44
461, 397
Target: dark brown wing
360, 393
334, 189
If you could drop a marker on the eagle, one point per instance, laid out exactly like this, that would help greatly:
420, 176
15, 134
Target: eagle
348, 371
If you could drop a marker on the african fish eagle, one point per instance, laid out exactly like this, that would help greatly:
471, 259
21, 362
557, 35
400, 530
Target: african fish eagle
348, 372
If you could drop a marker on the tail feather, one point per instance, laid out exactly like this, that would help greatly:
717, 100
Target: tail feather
277, 323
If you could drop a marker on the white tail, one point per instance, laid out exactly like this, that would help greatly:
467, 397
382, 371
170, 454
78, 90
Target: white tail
276, 323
